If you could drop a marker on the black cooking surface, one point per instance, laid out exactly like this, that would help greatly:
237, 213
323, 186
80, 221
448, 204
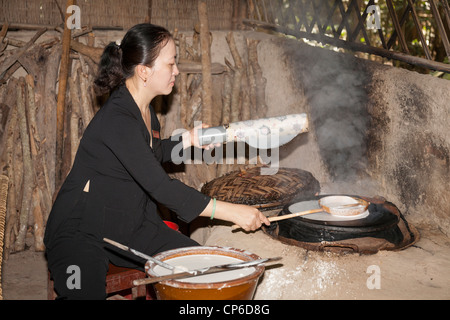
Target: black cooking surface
380, 223
379, 216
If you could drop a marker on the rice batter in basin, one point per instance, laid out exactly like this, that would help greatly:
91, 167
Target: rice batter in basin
239, 284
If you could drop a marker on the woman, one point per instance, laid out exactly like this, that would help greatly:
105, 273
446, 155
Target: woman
117, 179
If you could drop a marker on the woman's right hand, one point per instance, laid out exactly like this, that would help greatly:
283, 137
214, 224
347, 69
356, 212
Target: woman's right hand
250, 218
247, 217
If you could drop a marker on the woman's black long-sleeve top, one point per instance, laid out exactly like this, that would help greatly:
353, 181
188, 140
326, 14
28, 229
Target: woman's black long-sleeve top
126, 180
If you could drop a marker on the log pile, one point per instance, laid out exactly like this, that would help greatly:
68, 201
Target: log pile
42, 119
30, 76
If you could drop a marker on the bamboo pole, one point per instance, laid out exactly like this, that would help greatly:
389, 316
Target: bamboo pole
60, 108
417, 61
440, 26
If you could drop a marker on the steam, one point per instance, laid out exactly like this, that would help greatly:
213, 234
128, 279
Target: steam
334, 85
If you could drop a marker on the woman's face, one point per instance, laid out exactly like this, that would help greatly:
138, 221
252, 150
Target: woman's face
164, 71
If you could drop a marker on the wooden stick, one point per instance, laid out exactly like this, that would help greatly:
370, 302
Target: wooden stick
287, 216
417, 61
37, 154
38, 220
3, 44
245, 92
193, 107
4, 180
37, 151
8, 157
440, 25
207, 103
60, 108
237, 78
186, 66
293, 215
74, 117
260, 110
184, 112
46, 106
87, 111
12, 59
28, 175
91, 52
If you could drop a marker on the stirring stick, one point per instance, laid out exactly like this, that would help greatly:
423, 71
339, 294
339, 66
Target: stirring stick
139, 254
287, 216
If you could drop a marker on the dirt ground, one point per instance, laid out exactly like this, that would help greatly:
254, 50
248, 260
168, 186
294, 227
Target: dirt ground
419, 272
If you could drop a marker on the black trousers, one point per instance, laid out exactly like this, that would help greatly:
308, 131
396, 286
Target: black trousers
78, 264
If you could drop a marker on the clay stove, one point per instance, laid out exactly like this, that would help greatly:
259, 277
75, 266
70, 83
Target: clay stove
290, 190
383, 227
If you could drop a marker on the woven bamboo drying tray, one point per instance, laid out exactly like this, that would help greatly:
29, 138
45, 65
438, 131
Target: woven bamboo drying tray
267, 192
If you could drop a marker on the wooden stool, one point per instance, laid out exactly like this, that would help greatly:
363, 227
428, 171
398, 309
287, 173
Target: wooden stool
118, 280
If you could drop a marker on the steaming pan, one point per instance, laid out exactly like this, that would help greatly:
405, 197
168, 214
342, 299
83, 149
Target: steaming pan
343, 206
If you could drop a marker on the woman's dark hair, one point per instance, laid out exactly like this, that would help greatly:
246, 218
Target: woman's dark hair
140, 46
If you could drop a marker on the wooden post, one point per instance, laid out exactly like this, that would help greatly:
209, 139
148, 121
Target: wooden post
206, 63
62, 86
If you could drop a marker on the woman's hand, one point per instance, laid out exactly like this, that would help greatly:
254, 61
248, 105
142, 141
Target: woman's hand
247, 217
190, 138
250, 218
